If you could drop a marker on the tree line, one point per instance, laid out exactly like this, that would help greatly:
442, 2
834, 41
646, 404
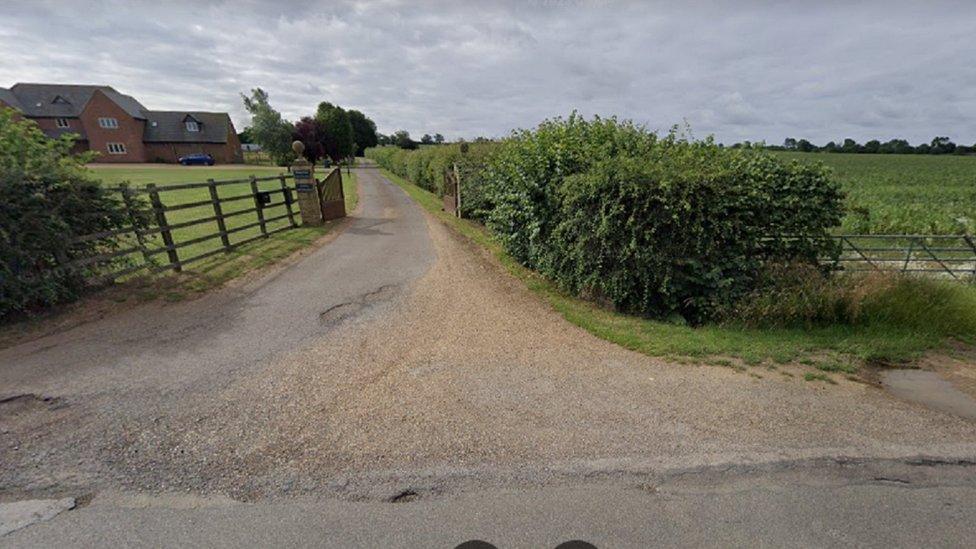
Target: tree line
938, 145
331, 131
403, 140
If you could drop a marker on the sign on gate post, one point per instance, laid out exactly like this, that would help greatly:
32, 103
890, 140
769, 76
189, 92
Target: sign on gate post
309, 202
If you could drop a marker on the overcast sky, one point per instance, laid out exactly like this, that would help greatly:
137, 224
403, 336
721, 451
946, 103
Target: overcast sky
738, 70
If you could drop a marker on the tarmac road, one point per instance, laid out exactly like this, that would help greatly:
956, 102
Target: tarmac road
400, 363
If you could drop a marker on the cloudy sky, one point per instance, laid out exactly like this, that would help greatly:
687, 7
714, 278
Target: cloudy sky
739, 70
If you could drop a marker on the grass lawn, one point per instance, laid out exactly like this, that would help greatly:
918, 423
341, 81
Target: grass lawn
835, 349
221, 267
903, 193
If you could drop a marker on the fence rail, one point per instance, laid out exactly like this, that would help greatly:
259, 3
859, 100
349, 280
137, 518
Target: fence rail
182, 227
944, 255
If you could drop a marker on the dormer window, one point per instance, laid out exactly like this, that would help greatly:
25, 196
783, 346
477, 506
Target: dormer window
192, 126
58, 100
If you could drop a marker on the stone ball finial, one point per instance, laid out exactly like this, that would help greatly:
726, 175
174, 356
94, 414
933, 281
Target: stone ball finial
298, 147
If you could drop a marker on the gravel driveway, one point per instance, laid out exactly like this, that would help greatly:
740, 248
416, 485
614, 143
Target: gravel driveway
399, 355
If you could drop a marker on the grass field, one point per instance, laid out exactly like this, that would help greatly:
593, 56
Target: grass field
903, 194
222, 266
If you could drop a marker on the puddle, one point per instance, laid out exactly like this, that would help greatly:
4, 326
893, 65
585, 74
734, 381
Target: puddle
930, 390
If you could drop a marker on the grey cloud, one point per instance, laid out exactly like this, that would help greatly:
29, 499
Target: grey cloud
744, 70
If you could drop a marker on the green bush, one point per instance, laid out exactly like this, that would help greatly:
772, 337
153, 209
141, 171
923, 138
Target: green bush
47, 197
425, 167
653, 226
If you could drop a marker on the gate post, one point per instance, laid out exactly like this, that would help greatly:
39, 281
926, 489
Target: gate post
309, 202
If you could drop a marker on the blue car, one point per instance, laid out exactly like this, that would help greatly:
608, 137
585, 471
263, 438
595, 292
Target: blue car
198, 159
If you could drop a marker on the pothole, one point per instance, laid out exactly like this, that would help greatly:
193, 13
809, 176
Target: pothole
343, 311
339, 312
404, 496
930, 390
29, 402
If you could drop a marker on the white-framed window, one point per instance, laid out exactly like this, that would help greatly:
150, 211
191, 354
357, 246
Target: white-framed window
63, 123
116, 148
109, 123
192, 126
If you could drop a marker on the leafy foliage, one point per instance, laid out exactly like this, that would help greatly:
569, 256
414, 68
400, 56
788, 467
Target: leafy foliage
268, 128
47, 197
654, 226
337, 131
364, 131
313, 134
426, 167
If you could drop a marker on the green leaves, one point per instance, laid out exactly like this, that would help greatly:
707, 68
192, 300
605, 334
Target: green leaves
657, 226
46, 197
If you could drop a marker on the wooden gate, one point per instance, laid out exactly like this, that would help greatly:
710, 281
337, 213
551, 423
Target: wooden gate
333, 197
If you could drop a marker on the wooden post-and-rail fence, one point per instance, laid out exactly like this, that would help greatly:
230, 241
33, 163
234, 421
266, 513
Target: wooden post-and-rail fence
181, 225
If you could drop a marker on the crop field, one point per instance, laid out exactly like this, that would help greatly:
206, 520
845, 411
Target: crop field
141, 175
904, 194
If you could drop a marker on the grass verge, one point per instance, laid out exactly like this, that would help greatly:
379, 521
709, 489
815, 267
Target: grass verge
828, 346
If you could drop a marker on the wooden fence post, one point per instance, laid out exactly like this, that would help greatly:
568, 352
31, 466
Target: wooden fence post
258, 205
286, 196
157, 204
969, 240
457, 183
130, 209
219, 214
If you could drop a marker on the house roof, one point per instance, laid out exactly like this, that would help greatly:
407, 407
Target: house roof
68, 100
170, 127
10, 99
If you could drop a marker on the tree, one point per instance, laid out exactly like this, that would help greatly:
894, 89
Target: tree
312, 133
805, 146
268, 128
246, 136
872, 146
402, 139
339, 140
427, 139
439, 139
942, 145
363, 130
789, 143
896, 146
850, 146
830, 147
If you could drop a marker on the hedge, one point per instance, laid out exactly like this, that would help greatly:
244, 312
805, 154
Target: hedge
46, 197
652, 226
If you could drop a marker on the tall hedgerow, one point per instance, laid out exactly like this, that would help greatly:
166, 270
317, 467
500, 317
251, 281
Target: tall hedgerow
653, 225
46, 197
425, 167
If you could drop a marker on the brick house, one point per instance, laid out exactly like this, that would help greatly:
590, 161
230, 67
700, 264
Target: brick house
120, 128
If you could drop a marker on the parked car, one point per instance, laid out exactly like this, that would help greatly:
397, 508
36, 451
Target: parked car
198, 159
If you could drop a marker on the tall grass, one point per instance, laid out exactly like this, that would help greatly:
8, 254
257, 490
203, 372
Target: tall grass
804, 297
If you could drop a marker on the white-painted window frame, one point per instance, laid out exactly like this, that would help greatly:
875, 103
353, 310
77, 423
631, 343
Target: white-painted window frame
62, 123
108, 123
115, 148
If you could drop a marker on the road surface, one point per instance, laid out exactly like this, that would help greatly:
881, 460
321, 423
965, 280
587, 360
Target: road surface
398, 374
